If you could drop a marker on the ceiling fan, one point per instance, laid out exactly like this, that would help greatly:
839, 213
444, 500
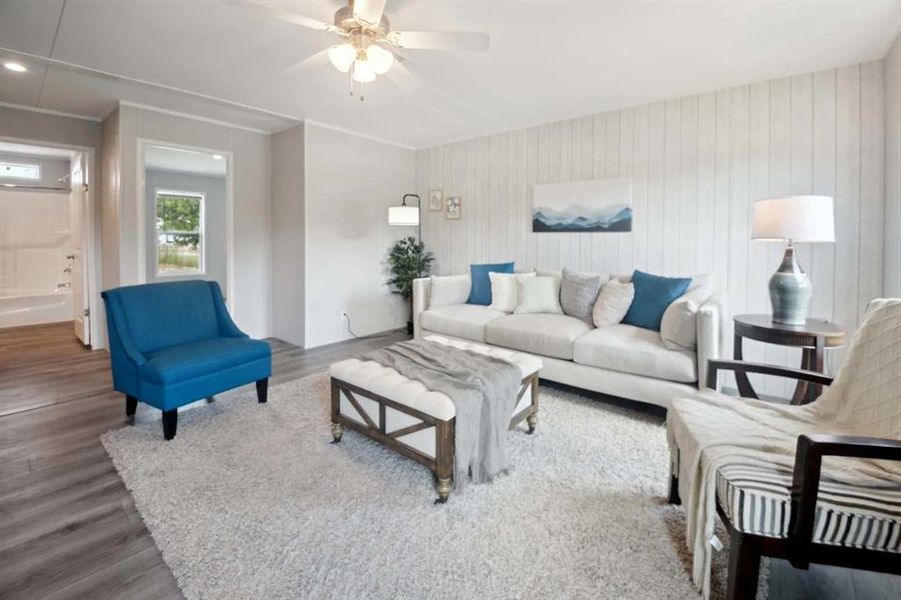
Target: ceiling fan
367, 44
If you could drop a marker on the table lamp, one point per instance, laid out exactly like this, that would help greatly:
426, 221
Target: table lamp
792, 219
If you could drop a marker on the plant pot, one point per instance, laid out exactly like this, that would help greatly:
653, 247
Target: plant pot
409, 327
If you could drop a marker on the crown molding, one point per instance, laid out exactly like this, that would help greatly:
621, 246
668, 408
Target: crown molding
48, 111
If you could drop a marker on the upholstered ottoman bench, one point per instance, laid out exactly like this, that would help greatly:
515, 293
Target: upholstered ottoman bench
402, 414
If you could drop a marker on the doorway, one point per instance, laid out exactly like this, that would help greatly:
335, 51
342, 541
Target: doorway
47, 237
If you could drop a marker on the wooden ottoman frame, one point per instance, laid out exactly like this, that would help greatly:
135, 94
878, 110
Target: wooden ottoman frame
442, 465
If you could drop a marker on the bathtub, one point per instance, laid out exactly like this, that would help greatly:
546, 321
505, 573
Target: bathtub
27, 307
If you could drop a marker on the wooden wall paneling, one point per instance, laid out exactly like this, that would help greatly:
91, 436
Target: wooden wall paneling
671, 177
780, 184
698, 164
656, 166
847, 194
687, 254
706, 212
872, 183
625, 259
640, 189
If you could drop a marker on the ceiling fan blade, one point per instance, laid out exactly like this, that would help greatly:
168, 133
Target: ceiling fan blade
314, 61
369, 11
290, 17
401, 76
440, 40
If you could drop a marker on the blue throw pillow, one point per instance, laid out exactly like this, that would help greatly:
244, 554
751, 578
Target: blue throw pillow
652, 295
480, 292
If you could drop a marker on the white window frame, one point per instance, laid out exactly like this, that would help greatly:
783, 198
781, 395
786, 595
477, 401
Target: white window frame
201, 270
36, 167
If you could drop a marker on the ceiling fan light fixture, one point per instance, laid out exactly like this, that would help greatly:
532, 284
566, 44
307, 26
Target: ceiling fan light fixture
342, 56
380, 58
363, 71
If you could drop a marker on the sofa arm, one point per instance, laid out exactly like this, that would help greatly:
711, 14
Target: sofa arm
713, 330
422, 287
226, 325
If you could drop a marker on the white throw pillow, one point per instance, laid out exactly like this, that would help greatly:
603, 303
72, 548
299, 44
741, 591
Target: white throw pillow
613, 303
448, 290
679, 325
538, 295
505, 290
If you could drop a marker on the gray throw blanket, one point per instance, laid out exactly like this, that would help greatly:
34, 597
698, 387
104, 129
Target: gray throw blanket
483, 390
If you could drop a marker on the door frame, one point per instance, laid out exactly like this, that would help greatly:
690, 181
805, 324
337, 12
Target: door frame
142, 208
94, 259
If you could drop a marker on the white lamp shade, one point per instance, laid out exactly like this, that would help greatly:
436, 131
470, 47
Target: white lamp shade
407, 216
380, 58
363, 71
342, 56
794, 218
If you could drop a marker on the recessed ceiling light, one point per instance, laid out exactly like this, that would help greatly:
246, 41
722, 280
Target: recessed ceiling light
217, 157
14, 66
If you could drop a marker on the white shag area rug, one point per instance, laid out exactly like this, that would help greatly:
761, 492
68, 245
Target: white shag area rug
253, 501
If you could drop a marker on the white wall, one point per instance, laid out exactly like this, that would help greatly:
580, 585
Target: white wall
34, 241
288, 235
350, 183
698, 164
252, 299
892, 230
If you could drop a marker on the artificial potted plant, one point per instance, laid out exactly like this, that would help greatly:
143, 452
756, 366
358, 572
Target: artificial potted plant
407, 260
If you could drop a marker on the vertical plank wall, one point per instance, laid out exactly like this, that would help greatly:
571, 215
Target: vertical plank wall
698, 163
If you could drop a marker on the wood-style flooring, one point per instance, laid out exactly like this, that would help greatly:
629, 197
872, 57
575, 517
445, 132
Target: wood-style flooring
68, 526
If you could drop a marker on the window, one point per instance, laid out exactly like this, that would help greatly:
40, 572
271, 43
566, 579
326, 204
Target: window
179, 233
20, 171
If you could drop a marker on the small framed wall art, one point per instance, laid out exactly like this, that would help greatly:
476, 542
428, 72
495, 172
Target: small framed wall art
453, 207
436, 198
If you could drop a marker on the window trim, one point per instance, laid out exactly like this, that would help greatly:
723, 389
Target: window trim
201, 229
35, 166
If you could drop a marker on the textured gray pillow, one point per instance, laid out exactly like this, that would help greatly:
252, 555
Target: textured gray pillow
578, 292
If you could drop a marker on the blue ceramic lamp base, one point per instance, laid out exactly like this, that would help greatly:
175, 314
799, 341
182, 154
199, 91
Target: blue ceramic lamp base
790, 291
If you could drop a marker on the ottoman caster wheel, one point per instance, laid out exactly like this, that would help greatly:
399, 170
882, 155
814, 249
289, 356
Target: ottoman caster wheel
337, 432
443, 487
532, 421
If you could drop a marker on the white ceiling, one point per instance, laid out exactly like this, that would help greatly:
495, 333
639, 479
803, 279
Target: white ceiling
548, 60
168, 158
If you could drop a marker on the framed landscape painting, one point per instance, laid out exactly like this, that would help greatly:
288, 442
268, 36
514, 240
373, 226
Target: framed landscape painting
603, 205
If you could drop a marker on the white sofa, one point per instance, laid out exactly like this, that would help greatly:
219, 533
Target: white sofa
620, 360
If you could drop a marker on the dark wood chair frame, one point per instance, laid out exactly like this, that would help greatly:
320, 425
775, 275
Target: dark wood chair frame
170, 417
798, 548
442, 465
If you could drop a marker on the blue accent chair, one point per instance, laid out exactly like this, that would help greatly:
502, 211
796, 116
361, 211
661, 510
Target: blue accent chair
174, 343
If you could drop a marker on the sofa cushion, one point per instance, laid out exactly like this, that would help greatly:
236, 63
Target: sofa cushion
543, 334
465, 321
449, 289
480, 291
578, 292
196, 359
653, 294
631, 349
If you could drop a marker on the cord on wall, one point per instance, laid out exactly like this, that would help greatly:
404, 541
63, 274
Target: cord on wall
365, 337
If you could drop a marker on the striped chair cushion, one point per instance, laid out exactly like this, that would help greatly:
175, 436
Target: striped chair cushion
757, 501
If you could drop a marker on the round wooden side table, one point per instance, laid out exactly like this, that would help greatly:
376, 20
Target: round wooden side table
814, 337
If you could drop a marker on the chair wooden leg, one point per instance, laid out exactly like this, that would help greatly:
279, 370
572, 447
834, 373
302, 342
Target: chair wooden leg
131, 406
744, 567
170, 423
263, 390
674, 491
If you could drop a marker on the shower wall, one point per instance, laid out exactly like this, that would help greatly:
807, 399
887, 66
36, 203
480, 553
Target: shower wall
35, 238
